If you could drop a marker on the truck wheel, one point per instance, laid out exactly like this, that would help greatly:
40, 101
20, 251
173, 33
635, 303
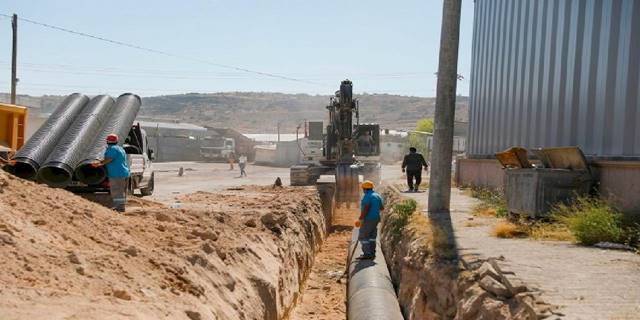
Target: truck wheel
149, 189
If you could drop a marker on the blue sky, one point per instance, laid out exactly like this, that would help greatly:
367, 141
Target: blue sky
383, 46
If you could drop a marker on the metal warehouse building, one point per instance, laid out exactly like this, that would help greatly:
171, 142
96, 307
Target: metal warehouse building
550, 73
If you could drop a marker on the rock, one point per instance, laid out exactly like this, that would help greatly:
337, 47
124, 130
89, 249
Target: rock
221, 254
73, 258
192, 314
272, 221
80, 270
6, 239
205, 235
493, 286
131, 251
494, 310
251, 223
122, 294
468, 308
486, 269
525, 309
163, 217
207, 248
39, 222
514, 284
230, 283
197, 259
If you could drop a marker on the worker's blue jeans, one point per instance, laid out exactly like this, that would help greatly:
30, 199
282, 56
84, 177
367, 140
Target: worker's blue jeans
118, 190
367, 236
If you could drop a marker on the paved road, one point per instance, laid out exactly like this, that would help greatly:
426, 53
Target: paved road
203, 176
588, 283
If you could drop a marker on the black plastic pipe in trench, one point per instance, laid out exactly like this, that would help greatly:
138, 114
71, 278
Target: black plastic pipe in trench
36, 150
370, 292
57, 171
119, 121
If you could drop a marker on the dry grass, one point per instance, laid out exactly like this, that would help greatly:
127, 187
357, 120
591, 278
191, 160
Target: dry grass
484, 210
549, 231
507, 230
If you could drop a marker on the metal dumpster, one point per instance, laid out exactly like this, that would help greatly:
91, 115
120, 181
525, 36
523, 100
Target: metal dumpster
533, 191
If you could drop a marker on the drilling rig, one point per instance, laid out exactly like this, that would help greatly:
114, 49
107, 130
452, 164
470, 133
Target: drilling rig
347, 150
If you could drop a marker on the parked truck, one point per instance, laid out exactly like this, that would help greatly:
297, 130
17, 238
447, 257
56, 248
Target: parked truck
89, 179
220, 150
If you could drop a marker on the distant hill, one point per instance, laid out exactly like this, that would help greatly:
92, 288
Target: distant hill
254, 112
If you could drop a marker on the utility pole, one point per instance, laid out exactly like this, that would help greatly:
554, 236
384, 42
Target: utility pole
279, 122
14, 55
440, 179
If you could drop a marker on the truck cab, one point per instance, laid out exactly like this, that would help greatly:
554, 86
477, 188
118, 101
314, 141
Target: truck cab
140, 158
220, 150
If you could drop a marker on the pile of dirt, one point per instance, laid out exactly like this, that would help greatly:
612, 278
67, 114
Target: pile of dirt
230, 255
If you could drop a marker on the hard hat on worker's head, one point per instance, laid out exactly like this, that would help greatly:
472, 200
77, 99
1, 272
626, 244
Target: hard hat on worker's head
367, 184
112, 138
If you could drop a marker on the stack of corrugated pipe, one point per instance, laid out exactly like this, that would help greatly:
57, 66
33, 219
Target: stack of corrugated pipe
370, 292
73, 137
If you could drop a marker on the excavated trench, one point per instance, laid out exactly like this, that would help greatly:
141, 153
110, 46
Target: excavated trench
433, 281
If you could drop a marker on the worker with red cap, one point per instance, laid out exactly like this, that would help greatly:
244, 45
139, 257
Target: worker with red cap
115, 161
370, 208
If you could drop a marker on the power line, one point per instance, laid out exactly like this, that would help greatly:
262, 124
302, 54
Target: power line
160, 52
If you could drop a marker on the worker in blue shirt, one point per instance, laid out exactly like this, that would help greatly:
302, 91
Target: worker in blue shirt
370, 208
115, 161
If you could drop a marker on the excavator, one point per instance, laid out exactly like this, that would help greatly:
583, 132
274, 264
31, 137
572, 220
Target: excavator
347, 150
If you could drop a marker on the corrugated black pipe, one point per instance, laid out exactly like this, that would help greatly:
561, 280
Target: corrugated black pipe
57, 171
370, 292
33, 154
120, 120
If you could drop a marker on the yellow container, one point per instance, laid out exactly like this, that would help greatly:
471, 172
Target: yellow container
13, 126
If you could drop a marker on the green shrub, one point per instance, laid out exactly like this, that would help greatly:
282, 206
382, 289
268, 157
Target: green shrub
403, 212
591, 221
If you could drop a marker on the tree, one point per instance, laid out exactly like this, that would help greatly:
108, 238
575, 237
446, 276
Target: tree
419, 139
425, 125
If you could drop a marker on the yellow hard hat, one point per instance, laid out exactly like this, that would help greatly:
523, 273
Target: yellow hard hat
367, 184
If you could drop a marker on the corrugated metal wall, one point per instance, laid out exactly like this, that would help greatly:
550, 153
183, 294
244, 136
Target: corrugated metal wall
556, 73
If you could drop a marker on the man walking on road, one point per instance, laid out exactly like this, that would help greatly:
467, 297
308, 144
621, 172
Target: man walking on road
242, 163
370, 208
413, 163
115, 161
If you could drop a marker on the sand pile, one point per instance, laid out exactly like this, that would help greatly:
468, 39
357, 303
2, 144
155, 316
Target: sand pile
231, 255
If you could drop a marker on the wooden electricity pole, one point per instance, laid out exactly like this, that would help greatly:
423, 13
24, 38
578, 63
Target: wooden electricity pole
440, 179
14, 55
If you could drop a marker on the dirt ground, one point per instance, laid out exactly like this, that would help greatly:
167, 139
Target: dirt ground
233, 254
207, 245
324, 297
